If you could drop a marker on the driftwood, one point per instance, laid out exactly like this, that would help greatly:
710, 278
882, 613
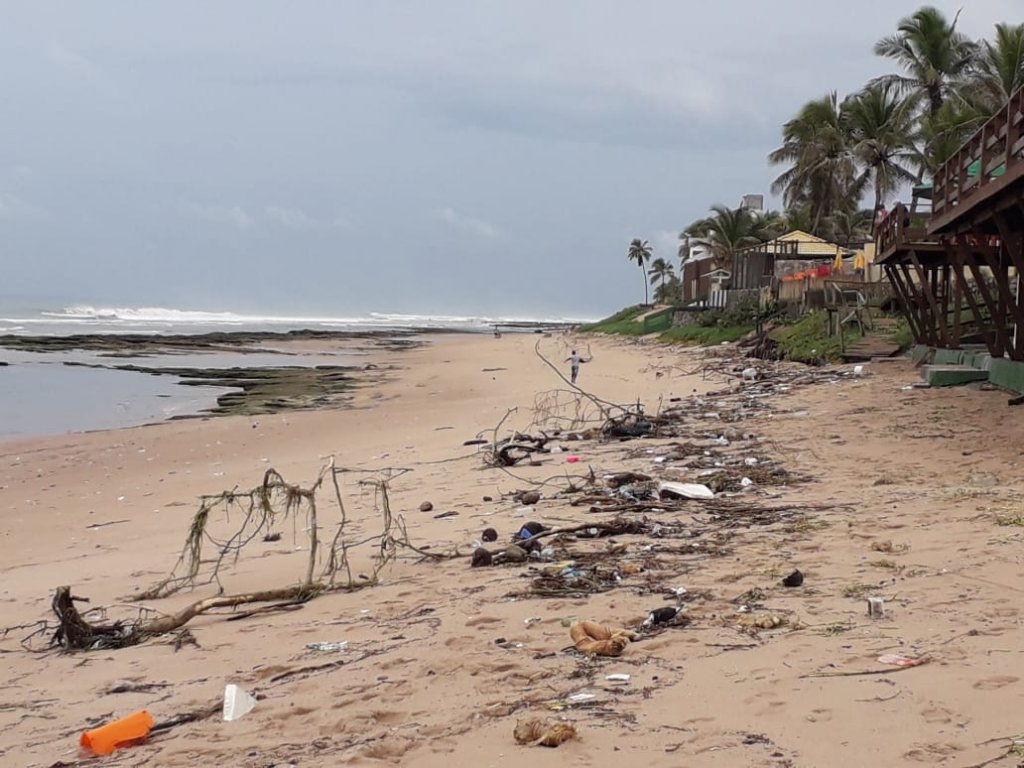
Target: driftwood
270, 502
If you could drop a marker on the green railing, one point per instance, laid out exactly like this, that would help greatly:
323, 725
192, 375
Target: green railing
658, 321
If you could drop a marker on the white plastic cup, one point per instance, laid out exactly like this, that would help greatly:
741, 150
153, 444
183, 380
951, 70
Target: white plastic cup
876, 607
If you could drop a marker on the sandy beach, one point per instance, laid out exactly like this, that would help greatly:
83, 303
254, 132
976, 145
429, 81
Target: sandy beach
913, 495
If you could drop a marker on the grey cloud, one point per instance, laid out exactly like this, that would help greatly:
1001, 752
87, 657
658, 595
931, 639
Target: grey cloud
233, 215
466, 223
291, 218
476, 143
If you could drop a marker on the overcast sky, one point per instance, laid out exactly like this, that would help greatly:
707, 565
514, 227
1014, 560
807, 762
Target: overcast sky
443, 156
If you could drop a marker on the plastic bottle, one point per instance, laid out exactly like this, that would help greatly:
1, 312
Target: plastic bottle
107, 738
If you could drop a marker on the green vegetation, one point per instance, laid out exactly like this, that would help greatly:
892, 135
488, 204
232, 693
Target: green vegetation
706, 337
858, 591
1009, 520
623, 323
902, 334
807, 340
837, 628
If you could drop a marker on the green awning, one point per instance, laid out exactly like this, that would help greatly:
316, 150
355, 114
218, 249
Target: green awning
924, 191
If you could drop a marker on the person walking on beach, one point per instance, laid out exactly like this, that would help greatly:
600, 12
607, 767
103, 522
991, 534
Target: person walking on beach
574, 361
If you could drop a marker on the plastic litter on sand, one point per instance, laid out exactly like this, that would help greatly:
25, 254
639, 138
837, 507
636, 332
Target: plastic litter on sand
237, 703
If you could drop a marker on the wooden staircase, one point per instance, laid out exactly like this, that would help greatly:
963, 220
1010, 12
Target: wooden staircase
875, 343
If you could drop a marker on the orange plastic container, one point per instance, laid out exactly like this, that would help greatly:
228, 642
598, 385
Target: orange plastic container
107, 738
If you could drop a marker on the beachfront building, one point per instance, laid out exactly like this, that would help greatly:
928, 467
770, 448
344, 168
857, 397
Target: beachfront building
956, 269
695, 279
794, 255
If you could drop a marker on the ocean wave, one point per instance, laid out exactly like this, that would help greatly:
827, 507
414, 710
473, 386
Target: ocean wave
163, 319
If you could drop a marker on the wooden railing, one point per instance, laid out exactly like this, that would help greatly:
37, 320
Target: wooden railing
899, 228
999, 143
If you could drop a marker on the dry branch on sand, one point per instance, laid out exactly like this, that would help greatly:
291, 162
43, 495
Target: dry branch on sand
270, 503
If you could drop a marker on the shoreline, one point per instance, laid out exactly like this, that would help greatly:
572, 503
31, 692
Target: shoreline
878, 510
258, 374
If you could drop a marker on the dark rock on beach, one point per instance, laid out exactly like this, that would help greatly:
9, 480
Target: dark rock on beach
481, 558
795, 579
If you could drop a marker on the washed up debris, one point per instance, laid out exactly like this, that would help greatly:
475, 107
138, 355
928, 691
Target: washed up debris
541, 733
489, 535
515, 554
272, 537
237, 702
426, 506
876, 607
595, 639
531, 529
93, 526
328, 647
667, 615
128, 686
444, 515
123, 732
512, 450
674, 490
795, 579
481, 558
527, 497
753, 622
625, 478
581, 697
617, 678
902, 661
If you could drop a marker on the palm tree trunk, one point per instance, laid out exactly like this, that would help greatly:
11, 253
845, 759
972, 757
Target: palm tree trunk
642, 272
817, 218
934, 99
878, 199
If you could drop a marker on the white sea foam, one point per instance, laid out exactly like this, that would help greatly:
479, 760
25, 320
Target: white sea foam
81, 318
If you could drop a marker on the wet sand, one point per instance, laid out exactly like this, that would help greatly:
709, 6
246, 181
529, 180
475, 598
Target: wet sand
921, 503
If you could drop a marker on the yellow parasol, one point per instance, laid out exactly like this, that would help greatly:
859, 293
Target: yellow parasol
837, 266
859, 261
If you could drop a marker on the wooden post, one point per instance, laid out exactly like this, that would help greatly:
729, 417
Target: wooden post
928, 333
1000, 342
956, 254
938, 322
901, 299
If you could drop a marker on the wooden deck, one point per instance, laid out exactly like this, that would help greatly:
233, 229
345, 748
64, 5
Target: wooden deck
901, 232
956, 272
985, 176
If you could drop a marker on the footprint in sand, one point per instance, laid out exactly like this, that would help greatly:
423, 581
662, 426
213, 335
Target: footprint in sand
937, 715
992, 683
932, 753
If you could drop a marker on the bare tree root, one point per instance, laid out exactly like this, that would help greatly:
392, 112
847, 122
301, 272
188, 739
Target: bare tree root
271, 502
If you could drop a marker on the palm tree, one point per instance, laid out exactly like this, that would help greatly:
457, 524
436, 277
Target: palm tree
821, 164
852, 226
728, 230
998, 70
640, 252
933, 55
880, 129
668, 292
942, 134
660, 271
